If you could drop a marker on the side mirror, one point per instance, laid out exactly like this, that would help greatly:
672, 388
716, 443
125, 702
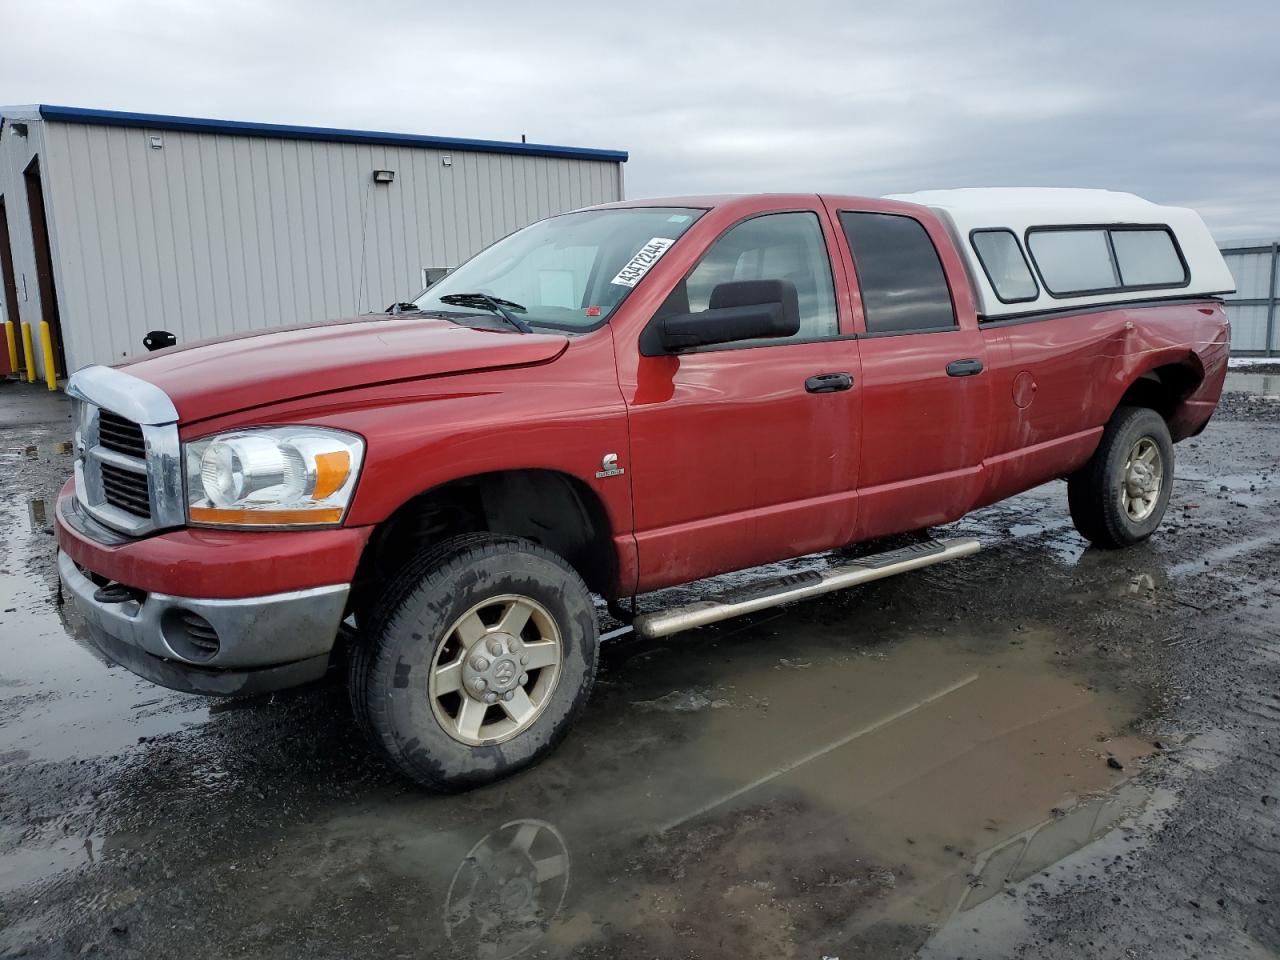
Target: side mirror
741, 310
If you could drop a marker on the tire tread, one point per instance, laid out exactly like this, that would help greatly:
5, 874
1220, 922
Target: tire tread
372, 659
1094, 511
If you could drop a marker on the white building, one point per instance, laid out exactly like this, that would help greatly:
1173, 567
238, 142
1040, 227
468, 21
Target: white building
115, 224
1255, 308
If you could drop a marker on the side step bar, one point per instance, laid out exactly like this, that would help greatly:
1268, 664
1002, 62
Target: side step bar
802, 586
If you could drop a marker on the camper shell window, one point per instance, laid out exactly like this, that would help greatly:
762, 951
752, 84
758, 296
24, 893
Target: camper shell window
1081, 260
1005, 265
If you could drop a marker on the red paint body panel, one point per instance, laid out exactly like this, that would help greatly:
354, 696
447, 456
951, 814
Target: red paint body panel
1081, 364
733, 463
238, 373
728, 461
209, 564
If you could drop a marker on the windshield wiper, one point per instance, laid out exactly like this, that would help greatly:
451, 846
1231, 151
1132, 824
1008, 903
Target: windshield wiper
496, 304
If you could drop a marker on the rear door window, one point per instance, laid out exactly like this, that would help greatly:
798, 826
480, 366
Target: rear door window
1005, 265
904, 287
1073, 261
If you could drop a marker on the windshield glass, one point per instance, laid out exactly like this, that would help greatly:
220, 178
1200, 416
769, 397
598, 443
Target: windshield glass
568, 272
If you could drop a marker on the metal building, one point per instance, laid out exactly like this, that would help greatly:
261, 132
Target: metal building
115, 224
1253, 307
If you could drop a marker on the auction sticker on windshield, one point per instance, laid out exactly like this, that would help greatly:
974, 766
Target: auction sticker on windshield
639, 265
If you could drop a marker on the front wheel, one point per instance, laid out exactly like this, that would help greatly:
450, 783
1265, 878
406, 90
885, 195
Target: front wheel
479, 656
1119, 497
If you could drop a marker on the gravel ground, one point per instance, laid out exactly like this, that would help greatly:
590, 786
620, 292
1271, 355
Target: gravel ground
1040, 751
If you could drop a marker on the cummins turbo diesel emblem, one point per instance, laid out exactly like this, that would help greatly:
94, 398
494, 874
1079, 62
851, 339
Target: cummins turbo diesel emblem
609, 466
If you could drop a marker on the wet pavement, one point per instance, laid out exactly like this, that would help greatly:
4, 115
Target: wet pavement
1039, 751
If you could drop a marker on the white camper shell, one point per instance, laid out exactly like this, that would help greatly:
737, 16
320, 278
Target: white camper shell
1032, 249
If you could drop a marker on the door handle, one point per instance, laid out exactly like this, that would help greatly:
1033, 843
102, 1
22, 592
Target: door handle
964, 368
829, 383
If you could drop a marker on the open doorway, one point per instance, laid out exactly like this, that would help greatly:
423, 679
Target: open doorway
44, 261
8, 278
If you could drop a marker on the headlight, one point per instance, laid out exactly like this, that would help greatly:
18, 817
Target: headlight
279, 476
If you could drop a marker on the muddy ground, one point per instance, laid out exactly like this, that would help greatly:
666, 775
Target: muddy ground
1039, 751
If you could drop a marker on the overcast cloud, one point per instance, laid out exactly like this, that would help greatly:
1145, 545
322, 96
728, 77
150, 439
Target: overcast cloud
1178, 103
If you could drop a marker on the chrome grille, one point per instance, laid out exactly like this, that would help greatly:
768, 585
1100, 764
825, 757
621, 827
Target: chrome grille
121, 435
126, 490
127, 464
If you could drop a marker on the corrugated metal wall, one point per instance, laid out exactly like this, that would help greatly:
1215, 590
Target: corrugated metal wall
1252, 307
213, 233
16, 154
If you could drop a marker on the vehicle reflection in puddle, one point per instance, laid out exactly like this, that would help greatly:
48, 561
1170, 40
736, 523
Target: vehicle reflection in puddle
1098, 836
508, 888
990, 910
827, 799
511, 886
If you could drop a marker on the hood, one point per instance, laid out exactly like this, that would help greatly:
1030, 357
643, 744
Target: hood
218, 377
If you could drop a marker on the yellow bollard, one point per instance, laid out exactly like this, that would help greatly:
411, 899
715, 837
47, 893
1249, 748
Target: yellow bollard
46, 350
29, 352
13, 346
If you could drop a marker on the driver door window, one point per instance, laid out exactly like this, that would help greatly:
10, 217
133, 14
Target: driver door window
734, 460
777, 246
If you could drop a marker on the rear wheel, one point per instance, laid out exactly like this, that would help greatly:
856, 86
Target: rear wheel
478, 658
1119, 497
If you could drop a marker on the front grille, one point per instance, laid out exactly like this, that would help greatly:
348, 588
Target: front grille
121, 435
126, 489
128, 462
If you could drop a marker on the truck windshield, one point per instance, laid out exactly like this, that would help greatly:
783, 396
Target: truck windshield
568, 272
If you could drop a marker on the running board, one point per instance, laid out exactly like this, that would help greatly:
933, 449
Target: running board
802, 586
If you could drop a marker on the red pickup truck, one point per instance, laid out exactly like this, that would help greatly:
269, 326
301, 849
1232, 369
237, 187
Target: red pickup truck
613, 401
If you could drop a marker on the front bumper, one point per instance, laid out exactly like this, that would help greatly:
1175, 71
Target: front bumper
262, 643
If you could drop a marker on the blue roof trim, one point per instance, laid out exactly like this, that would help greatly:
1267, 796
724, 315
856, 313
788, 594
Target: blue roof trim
117, 118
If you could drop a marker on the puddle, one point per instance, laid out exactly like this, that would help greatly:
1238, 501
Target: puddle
992, 911
22, 865
58, 698
798, 801
836, 778
1092, 838
1254, 384
36, 451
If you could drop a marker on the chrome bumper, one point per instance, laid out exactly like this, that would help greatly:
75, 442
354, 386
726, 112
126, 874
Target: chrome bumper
263, 643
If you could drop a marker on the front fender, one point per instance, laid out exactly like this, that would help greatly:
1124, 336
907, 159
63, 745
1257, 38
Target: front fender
566, 416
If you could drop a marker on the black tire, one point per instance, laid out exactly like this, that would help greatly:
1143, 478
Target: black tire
389, 669
1094, 493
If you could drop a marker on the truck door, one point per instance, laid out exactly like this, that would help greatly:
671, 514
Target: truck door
925, 382
744, 453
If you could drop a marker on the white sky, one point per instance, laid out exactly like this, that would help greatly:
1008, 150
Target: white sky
1179, 103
